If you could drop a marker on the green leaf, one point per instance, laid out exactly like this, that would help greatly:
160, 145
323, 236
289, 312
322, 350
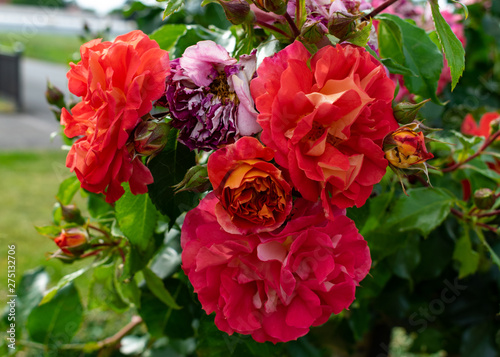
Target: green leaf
168, 34
29, 294
103, 292
360, 38
168, 169
411, 47
467, 258
97, 205
49, 231
378, 209
396, 68
196, 33
67, 190
58, 320
62, 283
422, 210
453, 49
155, 284
137, 217
172, 6
406, 259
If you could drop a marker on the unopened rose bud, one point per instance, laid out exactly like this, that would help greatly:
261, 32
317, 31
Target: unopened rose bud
495, 126
484, 198
54, 96
72, 241
406, 112
405, 147
342, 26
150, 137
71, 214
275, 6
195, 180
237, 11
314, 32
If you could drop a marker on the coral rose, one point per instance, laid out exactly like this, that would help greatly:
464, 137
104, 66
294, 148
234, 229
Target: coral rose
253, 195
470, 127
117, 82
274, 286
326, 117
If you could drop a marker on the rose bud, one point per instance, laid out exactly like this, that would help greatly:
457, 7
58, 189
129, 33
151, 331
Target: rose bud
406, 112
405, 147
484, 198
54, 96
72, 241
150, 137
195, 180
253, 194
237, 11
275, 6
71, 214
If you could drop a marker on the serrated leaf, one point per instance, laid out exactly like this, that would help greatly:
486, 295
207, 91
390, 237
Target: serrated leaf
396, 68
49, 231
62, 283
103, 291
137, 217
168, 169
452, 47
168, 34
423, 210
411, 47
155, 285
58, 320
467, 258
360, 38
172, 6
67, 190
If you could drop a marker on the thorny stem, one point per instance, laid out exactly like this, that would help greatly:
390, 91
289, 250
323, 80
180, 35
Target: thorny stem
293, 26
378, 10
272, 28
487, 143
479, 224
103, 232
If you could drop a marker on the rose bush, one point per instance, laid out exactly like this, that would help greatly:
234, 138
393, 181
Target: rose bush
253, 195
274, 285
117, 82
327, 121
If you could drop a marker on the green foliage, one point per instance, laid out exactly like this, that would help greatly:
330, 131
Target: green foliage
172, 6
168, 34
452, 47
58, 320
410, 46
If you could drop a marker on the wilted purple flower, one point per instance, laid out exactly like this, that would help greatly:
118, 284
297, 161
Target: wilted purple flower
209, 98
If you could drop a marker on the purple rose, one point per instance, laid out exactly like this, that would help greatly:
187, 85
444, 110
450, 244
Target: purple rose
208, 96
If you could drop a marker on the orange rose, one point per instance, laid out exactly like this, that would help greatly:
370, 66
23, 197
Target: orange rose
406, 148
253, 195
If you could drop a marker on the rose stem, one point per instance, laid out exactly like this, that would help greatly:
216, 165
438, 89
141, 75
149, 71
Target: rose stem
378, 10
293, 26
479, 152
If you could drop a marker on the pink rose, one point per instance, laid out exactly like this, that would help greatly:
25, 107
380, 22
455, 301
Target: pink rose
326, 117
117, 82
274, 285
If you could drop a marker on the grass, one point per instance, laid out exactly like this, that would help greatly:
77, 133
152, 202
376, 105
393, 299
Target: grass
29, 182
47, 47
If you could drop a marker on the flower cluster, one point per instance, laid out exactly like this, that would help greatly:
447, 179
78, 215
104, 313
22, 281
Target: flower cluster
117, 82
270, 250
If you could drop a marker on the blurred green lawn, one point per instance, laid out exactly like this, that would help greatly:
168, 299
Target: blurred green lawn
47, 47
29, 182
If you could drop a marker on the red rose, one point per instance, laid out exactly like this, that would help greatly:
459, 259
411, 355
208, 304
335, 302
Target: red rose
117, 82
253, 195
274, 285
326, 117
406, 148
470, 127
72, 241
